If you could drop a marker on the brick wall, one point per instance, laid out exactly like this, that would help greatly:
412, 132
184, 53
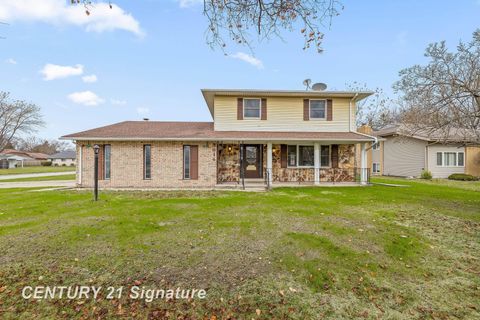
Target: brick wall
167, 165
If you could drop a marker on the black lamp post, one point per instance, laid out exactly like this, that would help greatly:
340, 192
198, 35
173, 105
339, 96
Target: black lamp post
96, 148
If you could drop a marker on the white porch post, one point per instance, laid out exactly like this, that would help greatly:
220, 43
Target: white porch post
363, 164
269, 163
316, 161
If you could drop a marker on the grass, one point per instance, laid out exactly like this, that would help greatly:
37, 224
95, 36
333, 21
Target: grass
37, 169
292, 253
47, 178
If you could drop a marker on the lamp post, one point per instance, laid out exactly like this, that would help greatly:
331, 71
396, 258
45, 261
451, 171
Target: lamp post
96, 148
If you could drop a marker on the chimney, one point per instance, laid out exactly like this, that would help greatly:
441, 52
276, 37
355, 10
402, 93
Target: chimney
366, 129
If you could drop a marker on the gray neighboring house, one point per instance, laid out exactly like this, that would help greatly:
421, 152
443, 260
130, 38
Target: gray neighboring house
402, 154
64, 158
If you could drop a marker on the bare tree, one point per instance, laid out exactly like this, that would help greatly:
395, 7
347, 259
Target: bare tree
35, 144
442, 98
377, 111
17, 117
233, 20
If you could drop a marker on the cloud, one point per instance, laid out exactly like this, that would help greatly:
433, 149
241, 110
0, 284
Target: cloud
248, 59
11, 61
118, 102
188, 3
60, 12
143, 111
90, 79
87, 98
54, 71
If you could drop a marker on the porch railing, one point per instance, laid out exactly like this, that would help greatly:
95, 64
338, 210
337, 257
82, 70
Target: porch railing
330, 175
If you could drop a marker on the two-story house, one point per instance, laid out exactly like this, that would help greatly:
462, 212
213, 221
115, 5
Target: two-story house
271, 136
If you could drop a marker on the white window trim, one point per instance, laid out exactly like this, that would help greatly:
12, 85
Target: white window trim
105, 162
310, 113
310, 145
377, 165
376, 146
443, 159
259, 109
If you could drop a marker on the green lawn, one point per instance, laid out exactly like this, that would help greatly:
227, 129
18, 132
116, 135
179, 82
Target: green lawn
39, 169
48, 178
292, 253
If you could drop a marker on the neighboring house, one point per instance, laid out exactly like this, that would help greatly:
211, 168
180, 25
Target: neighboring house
22, 158
399, 153
64, 158
262, 136
10, 161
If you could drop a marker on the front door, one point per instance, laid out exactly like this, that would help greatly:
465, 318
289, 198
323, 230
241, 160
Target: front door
252, 163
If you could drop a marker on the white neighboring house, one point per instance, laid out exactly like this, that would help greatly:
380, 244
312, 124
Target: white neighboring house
402, 154
63, 159
10, 161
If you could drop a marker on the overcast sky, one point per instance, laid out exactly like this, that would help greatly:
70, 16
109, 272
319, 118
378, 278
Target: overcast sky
149, 58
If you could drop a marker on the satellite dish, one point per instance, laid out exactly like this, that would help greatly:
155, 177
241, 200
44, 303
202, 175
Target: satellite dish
307, 83
319, 86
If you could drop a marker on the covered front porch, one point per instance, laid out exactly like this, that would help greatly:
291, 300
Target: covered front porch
294, 163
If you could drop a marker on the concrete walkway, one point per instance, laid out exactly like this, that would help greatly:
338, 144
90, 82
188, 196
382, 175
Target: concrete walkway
34, 175
36, 184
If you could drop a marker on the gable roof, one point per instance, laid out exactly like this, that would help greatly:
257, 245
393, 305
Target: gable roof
68, 154
455, 135
34, 155
199, 131
209, 94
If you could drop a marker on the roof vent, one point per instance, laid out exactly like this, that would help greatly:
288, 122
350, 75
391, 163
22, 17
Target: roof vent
145, 119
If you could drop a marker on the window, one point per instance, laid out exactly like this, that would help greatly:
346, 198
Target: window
317, 109
251, 108
450, 159
439, 159
460, 161
376, 167
107, 160
376, 146
186, 162
324, 156
305, 156
147, 162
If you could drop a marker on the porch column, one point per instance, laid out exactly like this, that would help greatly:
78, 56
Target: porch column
363, 164
269, 163
316, 161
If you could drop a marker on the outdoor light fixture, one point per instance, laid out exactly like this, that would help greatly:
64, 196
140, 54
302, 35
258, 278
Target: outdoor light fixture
96, 148
229, 148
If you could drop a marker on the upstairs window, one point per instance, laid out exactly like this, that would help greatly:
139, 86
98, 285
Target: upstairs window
251, 108
318, 109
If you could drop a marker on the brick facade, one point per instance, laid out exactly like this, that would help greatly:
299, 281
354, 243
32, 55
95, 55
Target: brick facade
167, 165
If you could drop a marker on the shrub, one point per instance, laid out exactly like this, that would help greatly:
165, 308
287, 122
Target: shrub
64, 165
46, 163
427, 175
462, 177
72, 164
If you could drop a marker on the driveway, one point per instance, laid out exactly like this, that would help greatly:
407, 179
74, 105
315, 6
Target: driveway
33, 175
36, 184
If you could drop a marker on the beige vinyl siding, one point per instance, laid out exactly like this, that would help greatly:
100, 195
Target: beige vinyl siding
283, 114
377, 158
443, 172
403, 156
472, 161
